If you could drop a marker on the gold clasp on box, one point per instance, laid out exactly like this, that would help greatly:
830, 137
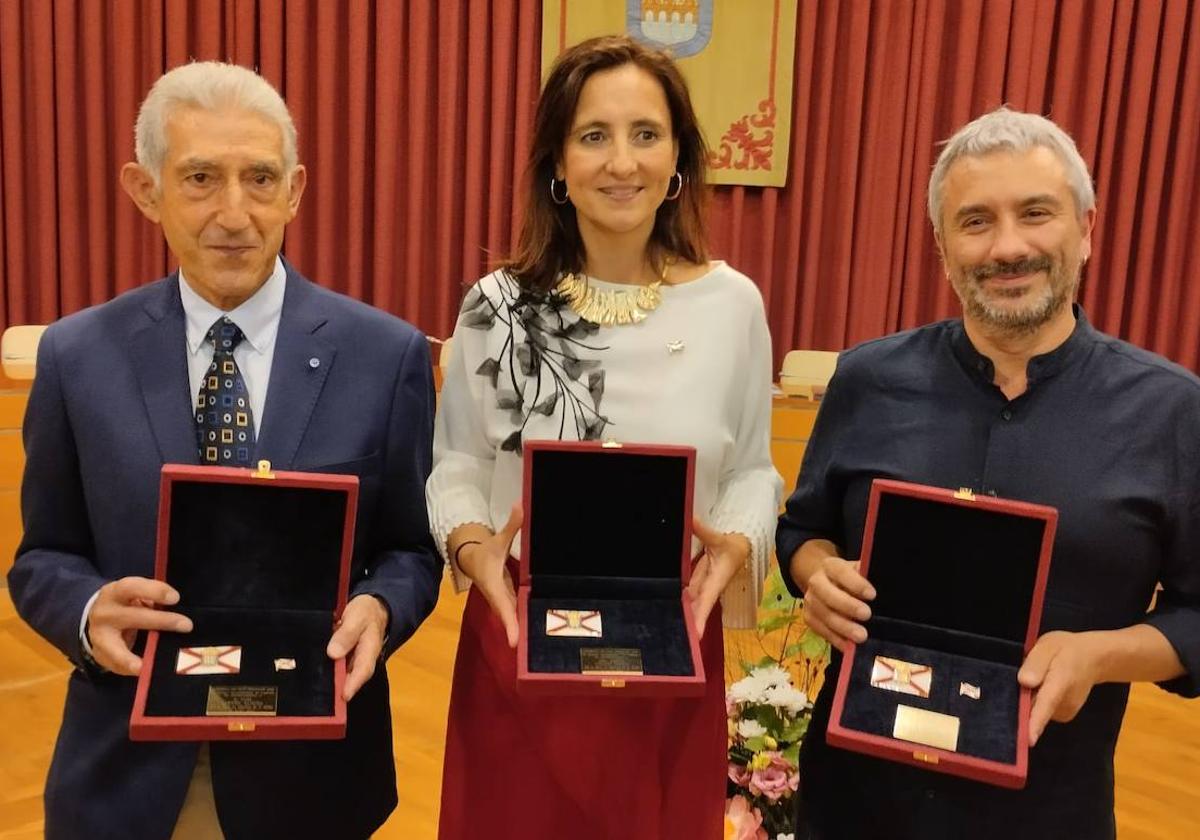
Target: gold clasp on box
612, 683
611, 444
926, 757
965, 493
263, 471
241, 725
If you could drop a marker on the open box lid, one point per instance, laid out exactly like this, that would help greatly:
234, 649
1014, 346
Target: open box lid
608, 511
256, 539
958, 561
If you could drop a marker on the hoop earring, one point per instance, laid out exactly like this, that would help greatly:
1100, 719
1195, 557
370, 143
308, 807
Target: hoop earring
678, 189
553, 196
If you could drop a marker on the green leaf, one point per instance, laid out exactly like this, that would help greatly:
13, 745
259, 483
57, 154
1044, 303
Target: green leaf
775, 593
794, 732
773, 585
755, 744
776, 622
813, 646
768, 716
792, 754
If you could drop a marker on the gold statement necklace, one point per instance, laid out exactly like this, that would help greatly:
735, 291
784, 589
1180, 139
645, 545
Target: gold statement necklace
624, 306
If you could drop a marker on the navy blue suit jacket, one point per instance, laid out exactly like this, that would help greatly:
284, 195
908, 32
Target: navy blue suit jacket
109, 406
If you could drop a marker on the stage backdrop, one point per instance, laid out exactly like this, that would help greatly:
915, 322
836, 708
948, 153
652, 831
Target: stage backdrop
414, 119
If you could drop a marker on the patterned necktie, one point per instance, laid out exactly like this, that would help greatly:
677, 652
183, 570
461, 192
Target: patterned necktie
224, 421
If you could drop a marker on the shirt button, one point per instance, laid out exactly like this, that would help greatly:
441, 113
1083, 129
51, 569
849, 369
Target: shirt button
314, 363
1006, 414
929, 794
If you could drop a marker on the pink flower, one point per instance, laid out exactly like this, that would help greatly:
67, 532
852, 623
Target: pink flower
739, 775
743, 822
776, 779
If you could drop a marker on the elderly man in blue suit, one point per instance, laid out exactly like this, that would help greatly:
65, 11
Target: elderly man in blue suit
327, 384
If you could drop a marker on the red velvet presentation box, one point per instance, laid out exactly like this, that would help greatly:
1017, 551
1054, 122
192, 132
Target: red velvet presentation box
959, 581
261, 561
605, 563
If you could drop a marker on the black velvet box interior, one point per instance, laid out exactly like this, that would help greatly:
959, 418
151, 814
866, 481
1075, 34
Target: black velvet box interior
256, 565
954, 588
607, 531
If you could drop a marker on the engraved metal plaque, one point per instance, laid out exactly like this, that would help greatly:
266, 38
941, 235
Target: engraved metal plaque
608, 661
922, 726
256, 700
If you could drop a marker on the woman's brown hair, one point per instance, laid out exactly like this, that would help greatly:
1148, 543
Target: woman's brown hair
549, 243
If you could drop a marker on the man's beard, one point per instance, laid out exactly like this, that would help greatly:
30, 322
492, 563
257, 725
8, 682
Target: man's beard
1032, 314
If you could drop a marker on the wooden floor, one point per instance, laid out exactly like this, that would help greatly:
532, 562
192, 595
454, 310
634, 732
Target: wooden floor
33, 684
1158, 757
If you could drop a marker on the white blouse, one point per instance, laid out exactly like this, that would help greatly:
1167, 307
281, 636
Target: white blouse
696, 371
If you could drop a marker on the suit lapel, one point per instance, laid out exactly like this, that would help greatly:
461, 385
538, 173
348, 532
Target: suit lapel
301, 363
160, 363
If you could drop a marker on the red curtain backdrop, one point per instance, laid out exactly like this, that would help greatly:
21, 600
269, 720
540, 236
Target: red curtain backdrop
414, 119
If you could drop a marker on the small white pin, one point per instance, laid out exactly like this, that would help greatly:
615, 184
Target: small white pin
675, 346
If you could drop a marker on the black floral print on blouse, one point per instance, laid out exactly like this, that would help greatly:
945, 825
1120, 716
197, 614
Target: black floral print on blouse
544, 335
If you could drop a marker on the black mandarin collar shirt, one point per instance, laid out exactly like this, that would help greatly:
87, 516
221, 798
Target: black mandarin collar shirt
1106, 433
1039, 369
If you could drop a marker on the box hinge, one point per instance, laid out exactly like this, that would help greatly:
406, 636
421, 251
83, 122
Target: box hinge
263, 471
241, 726
965, 493
926, 757
612, 683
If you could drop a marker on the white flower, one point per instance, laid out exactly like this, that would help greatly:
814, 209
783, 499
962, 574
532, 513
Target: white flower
787, 698
771, 685
747, 690
771, 676
751, 729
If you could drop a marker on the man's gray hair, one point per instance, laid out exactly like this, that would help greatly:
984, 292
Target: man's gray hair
1010, 131
211, 85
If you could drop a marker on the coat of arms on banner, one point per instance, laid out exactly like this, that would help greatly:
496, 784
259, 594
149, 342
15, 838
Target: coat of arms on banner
682, 26
737, 56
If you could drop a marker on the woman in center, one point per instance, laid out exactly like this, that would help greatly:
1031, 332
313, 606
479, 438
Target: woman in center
609, 322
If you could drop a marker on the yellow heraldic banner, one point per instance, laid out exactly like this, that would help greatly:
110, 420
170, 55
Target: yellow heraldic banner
737, 57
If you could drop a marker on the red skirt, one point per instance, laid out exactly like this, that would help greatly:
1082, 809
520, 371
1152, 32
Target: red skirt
582, 768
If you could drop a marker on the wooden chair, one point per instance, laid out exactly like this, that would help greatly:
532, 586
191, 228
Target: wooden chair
806, 373
18, 350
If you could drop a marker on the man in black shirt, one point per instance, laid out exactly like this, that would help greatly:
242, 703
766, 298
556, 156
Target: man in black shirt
1022, 398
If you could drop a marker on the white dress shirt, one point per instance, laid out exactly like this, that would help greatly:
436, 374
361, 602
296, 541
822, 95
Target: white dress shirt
258, 319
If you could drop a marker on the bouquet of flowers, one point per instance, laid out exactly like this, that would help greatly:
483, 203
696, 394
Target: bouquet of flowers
768, 717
